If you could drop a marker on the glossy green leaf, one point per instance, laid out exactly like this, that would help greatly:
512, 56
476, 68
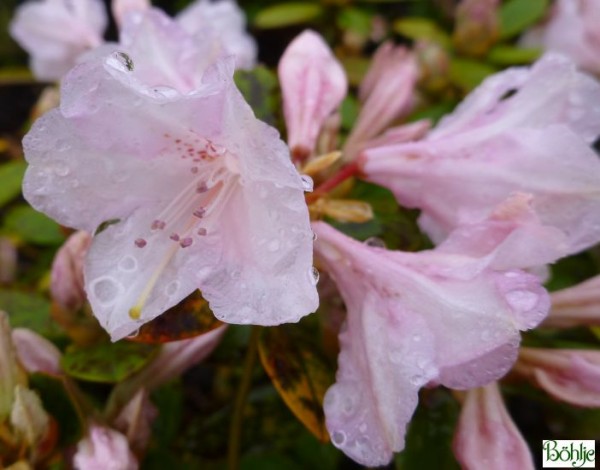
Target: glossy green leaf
504, 55
28, 310
355, 20
422, 28
467, 74
32, 226
518, 15
11, 177
107, 362
260, 87
287, 14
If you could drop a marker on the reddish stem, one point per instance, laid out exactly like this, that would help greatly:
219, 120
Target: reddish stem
345, 172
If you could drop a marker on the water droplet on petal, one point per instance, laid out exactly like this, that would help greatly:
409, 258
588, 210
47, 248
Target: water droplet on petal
375, 242
128, 264
273, 246
314, 237
172, 288
313, 275
307, 183
338, 438
135, 334
106, 289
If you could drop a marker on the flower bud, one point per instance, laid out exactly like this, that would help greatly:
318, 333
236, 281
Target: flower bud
28, 417
36, 353
486, 436
477, 26
104, 448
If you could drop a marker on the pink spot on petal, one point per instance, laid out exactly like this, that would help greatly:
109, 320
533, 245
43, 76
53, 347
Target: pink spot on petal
201, 232
194, 169
158, 225
140, 243
174, 237
201, 188
200, 212
186, 242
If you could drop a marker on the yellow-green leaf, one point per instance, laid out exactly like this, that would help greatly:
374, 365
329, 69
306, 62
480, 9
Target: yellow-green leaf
11, 176
299, 374
422, 28
518, 15
287, 14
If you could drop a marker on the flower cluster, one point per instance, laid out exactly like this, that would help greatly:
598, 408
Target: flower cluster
174, 185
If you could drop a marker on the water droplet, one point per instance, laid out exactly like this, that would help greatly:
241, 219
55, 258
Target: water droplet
135, 334
338, 438
375, 242
128, 264
106, 289
61, 169
307, 183
313, 275
314, 237
125, 60
273, 245
522, 300
172, 288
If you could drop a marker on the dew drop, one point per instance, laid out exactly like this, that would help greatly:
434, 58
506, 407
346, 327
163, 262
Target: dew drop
135, 334
125, 60
314, 237
61, 169
128, 264
338, 438
307, 183
172, 288
106, 289
375, 242
522, 300
273, 246
313, 275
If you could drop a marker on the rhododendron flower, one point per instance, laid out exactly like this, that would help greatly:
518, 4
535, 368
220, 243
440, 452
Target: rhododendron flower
486, 436
122, 8
522, 131
36, 353
104, 448
570, 375
572, 29
56, 33
313, 84
413, 319
387, 93
195, 191
576, 306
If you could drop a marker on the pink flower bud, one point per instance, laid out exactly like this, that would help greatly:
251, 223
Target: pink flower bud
104, 448
570, 375
476, 27
313, 84
66, 282
135, 420
387, 93
486, 436
576, 306
36, 353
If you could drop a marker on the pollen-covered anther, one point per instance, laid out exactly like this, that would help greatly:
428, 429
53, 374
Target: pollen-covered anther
140, 243
186, 242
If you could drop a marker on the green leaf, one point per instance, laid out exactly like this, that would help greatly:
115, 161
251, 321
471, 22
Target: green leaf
467, 74
260, 89
33, 226
28, 310
349, 111
504, 55
107, 362
355, 20
356, 68
287, 14
300, 375
422, 28
11, 177
518, 15
430, 434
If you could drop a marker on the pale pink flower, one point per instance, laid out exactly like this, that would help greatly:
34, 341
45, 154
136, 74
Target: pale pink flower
387, 93
486, 436
66, 276
225, 23
495, 145
56, 33
414, 319
313, 84
36, 353
122, 8
570, 375
196, 191
104, 448
576, 306
572, 30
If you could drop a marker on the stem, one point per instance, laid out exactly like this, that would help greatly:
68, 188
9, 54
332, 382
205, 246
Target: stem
345, 172
235, 430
